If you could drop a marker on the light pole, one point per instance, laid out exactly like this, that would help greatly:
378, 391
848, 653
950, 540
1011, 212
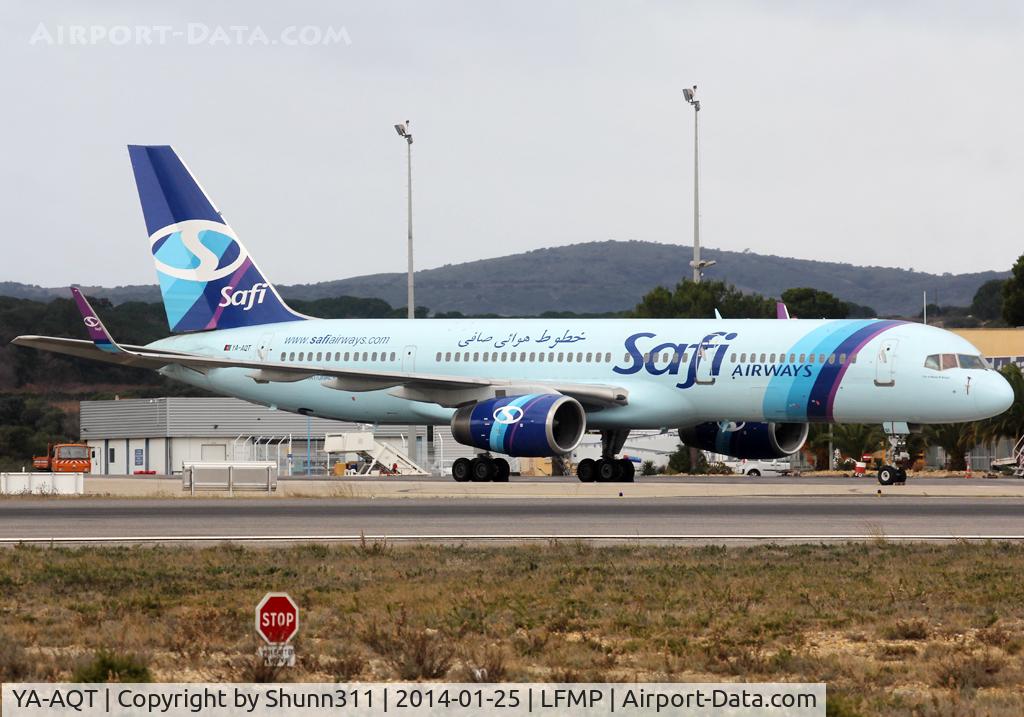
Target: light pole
403, 131
697, 264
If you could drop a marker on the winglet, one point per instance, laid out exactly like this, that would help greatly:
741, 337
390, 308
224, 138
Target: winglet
97, 331
718, 314
781, 312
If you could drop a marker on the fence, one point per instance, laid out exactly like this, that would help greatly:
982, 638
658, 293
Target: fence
42, 483
253, 476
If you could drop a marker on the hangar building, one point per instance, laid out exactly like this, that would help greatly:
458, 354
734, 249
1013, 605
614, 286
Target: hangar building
158, 434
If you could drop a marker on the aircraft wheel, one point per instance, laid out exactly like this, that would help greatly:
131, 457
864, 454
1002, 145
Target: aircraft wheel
502, 470
460, 470
886, 475
608, 471
901, 475
586, 471
482, 470
628, 470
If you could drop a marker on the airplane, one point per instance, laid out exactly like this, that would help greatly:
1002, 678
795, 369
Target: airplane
747, 388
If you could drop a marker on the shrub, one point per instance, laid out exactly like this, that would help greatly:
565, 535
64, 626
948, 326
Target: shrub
968, 672
486, 665
14, 662
109, 666
413, 652
914, 629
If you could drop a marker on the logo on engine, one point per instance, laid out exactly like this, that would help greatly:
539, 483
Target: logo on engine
506, 415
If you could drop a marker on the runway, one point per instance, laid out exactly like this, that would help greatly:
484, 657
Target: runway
700, 519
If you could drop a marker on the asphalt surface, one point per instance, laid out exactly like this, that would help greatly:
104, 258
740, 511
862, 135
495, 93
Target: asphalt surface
816, 517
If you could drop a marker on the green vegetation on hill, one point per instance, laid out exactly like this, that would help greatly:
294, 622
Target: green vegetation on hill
600, 277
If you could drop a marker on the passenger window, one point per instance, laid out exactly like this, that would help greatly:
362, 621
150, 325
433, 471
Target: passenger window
504, 356
771, 359
392, 355
821, 358
732, 358
465, 357
686, 357
853, 358
579, 357
540, 357
831, 359
608, 357
494, 357
282, 356
948, 361
972, 362
364, 355
476, 355
458, 357
291, 356
346, 355
792, 358
512, 356
561, 357
533, 357
486, 356
448, 356
597, 357
568, 357
743, 358
762, 358
438, 359
302, 355
626, 359
842, 359
932, 362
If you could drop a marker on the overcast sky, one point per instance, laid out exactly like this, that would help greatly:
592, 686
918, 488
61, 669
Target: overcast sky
871, 132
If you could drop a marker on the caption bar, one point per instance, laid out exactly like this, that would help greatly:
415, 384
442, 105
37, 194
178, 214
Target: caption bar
414, 699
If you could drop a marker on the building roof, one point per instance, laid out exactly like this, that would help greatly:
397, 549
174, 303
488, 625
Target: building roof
995, 343
206, 418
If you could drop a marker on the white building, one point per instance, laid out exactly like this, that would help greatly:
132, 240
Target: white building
159, 434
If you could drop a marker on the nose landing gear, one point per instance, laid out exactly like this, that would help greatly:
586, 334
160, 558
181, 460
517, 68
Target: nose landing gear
897, 457
607, 468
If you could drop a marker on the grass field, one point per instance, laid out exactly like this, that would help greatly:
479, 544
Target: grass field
893, 629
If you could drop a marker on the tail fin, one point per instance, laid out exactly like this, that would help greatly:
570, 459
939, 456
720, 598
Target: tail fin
207, 278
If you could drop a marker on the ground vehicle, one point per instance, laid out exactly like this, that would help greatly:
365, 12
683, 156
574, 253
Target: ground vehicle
64, 458
754, 468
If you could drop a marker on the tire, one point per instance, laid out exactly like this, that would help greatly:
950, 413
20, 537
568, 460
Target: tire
607, 471
886, 475
754, 473
901, 475
628, 470
460, 470
502, 470
482, 470
586, 471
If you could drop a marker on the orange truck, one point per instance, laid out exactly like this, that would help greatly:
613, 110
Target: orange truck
64, 458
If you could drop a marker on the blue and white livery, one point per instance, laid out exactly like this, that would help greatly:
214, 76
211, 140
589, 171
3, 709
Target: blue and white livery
525, 387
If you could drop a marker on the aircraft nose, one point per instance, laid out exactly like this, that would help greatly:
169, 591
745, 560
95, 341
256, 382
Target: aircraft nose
994, 396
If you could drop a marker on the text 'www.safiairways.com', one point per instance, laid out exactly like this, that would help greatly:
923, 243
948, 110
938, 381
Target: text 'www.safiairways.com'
414, 700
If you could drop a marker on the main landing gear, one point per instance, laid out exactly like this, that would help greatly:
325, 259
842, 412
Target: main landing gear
607, 468
481, 469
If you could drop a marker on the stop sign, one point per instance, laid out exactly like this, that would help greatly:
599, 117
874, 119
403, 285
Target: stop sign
277, 618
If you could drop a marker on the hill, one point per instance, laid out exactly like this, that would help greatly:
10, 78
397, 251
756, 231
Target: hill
605, 276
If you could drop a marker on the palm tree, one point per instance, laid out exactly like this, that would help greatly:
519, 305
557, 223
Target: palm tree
855, 439
1010, 423
956, 439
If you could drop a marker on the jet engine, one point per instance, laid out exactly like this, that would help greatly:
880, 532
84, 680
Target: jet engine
535, 425
746, 440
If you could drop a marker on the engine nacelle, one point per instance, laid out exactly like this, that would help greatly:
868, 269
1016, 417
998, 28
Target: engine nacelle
535, 425
746, 440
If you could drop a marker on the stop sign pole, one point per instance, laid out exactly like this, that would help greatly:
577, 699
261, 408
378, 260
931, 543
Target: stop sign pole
277, 618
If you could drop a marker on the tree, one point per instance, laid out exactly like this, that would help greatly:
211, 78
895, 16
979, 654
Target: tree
988, 300
808, 303
1009, 423
856, 439
680, 461
1013, 295
956, 439
699, 301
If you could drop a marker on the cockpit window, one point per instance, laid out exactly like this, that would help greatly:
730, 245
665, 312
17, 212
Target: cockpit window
968, 361
948, 361
932, 362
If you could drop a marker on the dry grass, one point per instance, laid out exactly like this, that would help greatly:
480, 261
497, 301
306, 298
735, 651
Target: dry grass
893, 629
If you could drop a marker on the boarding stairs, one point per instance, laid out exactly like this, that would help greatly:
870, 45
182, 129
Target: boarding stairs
374, 456
1016, 460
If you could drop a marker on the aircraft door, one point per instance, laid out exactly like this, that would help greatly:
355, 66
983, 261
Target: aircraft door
409, 359
885, 363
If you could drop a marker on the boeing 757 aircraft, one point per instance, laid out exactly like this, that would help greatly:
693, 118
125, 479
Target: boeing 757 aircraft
525, 387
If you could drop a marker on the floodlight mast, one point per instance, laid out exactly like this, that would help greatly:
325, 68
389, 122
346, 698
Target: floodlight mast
690, 95
403, 132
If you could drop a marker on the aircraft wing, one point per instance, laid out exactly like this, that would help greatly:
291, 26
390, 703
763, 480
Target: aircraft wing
433, 388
